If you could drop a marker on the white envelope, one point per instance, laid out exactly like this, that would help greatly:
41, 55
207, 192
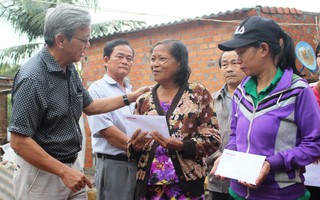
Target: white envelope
147, 123
312, 175
240, 166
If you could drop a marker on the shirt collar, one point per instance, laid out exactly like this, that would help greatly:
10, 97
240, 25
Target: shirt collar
225, 91
51, 63
251, 85
111, 81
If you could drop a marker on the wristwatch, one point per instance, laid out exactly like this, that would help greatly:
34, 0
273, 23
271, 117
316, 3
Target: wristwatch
125, 99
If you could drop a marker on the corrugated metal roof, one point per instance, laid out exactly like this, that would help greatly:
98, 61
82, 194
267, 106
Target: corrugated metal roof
265, 9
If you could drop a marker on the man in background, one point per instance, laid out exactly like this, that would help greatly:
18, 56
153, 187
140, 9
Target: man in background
115, 176
233, 75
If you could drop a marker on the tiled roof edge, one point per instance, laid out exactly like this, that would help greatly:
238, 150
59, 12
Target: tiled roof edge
263, 9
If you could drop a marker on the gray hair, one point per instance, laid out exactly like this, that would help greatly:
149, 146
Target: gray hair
64, 19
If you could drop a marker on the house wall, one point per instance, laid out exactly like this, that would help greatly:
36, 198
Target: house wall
3, 117
201, 38
5, 88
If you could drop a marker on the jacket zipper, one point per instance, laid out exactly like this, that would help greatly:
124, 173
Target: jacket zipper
253, 114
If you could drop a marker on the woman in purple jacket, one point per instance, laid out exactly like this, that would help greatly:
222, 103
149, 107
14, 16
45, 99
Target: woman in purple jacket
275, 113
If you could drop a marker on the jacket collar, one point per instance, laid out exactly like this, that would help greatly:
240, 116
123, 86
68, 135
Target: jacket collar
284, 83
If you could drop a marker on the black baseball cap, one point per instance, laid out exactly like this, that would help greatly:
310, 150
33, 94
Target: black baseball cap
251, 30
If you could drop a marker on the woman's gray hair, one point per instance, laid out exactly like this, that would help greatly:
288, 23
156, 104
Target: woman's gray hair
64, 19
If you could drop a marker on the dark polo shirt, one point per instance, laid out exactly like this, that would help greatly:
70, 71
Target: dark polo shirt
47, 105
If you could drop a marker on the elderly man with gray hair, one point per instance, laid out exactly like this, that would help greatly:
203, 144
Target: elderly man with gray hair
48, 99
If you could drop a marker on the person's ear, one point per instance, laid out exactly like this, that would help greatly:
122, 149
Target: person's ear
60, 40
105, 59
264, 47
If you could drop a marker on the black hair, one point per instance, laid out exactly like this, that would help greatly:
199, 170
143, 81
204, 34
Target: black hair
285, 56
220, 59
317, 48
180, 52
109, 47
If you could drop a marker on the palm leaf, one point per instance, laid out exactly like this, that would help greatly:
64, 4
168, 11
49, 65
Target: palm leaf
14, 55
8, 70
114, 26
27, 18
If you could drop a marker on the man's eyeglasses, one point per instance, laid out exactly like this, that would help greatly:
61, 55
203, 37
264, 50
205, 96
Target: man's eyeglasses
84, 41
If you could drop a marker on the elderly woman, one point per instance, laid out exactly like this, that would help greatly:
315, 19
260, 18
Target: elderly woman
173, 168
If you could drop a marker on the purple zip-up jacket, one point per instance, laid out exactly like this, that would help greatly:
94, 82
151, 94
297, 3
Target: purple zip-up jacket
285, 128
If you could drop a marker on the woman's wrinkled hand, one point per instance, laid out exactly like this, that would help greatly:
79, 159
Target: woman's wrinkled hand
139, 140
170, 143
205, 130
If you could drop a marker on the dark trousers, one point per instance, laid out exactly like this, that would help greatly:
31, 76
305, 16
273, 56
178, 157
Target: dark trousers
218, 196
315, 192
230, 198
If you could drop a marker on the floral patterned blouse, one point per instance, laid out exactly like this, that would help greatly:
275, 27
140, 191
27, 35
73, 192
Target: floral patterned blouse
162, 170
191, 107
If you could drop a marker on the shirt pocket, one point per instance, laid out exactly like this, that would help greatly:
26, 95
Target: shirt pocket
77, 104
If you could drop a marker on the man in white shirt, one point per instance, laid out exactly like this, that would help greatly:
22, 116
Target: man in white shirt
115, 176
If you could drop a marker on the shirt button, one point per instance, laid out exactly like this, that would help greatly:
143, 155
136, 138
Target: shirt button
174, 156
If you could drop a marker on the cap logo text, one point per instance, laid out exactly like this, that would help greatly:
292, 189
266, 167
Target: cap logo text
239, 30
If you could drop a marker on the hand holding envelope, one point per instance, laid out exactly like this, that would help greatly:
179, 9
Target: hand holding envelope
249, 169
147, 123
138, 140
168, 143
150, 126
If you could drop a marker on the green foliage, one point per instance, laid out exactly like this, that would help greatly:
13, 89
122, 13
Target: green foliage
27, 18
114, 26
8, 70
9, 107
17, 53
